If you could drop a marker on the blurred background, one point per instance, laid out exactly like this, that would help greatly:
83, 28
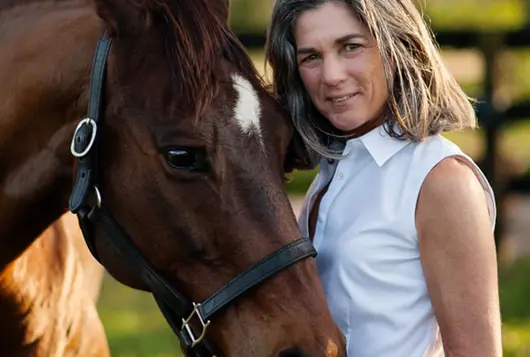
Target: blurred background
486, 45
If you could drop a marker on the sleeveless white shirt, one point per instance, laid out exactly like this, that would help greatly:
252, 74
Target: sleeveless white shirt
368, 257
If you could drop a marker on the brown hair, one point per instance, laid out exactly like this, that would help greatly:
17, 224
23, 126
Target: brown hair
424, 98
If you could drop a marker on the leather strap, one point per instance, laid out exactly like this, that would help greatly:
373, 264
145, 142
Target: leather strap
121, 242
97, 82
169, 298
175, 307
264, 269
87, 165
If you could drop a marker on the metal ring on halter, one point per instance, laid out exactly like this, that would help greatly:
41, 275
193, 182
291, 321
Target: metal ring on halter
99, 200
204, 325
87, 121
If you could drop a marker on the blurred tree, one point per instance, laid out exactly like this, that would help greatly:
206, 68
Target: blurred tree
477, 14
252, 15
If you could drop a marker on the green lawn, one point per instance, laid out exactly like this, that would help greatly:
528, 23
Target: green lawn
515, 306
133, 323
135, 328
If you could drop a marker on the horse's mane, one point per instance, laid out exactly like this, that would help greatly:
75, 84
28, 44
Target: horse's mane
195, 35
196, 38
8, 4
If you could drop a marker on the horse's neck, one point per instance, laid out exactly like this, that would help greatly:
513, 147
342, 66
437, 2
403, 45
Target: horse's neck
48, 295
44, 73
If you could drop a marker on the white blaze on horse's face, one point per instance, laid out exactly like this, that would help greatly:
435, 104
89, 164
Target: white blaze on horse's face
248, 109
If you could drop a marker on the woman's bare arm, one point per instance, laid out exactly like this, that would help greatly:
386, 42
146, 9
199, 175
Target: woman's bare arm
459, 260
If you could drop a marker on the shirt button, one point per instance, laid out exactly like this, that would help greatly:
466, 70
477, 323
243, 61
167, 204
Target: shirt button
340, 175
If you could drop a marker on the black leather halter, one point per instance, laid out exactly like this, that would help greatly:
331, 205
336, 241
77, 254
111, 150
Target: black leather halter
86, 201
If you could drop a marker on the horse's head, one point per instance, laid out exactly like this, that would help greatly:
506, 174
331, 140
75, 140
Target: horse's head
191, 165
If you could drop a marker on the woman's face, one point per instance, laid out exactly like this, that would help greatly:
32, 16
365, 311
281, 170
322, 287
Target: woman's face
340, 65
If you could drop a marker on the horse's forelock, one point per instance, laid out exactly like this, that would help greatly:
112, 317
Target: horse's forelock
196, 38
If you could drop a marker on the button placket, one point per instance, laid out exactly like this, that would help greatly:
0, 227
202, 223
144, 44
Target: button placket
338, 181
328, 199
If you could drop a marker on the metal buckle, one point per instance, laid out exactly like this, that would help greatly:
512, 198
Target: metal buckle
204, 326
87, 121
99, 200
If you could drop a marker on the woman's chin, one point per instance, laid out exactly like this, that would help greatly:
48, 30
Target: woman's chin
346, 124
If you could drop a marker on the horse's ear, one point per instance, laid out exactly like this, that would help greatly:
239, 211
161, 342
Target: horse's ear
121, 16
299, 156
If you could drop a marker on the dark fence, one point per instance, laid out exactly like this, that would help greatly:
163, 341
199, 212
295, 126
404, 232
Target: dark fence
492, 119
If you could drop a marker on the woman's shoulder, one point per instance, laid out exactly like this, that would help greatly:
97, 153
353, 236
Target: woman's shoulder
392, 146
424, 155
448, 173
437, 145
454, 194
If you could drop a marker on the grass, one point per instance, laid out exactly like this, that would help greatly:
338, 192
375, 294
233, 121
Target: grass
133, 323
515, 306
135, 327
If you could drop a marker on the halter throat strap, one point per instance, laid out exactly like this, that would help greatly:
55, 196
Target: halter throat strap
189, 320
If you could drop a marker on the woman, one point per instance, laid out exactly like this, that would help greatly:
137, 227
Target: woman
401, 218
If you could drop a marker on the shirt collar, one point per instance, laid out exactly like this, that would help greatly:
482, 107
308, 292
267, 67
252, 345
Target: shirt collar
379, 144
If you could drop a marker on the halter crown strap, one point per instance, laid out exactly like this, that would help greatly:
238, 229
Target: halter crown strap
86, 132
184, 317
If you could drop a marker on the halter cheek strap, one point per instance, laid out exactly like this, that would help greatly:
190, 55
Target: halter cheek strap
189, 320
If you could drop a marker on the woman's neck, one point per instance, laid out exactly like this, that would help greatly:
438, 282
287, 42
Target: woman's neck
362, 129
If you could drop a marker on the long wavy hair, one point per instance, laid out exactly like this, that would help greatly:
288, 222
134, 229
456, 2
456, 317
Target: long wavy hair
424, 99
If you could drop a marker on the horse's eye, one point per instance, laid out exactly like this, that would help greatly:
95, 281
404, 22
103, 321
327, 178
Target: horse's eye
190, 159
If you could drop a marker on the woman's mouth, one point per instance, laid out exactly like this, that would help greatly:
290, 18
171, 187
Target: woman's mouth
342, 98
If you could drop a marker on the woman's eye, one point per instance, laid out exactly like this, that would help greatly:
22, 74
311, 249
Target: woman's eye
351, 47
310, 58
184, 158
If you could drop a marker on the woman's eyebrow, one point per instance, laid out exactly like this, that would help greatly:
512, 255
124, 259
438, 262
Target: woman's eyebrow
348, 37
340, 40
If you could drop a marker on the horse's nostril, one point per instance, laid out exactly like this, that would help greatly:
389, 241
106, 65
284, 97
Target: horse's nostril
293, 352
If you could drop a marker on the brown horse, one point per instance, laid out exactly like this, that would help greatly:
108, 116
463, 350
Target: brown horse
192, 151
48, 296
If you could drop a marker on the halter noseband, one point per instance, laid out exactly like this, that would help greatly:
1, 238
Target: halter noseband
184, 317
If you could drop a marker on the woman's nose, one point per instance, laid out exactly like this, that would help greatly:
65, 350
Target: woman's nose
333, 72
